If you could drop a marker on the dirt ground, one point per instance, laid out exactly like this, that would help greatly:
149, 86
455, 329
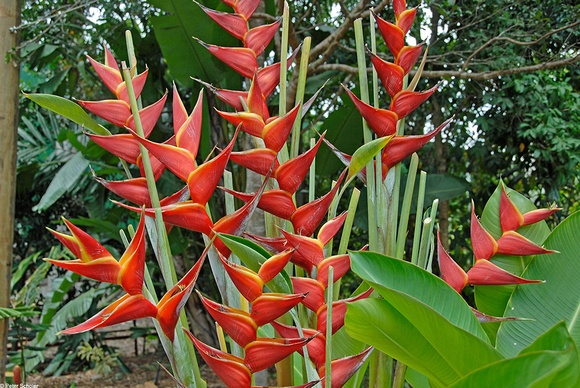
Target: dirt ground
145, 370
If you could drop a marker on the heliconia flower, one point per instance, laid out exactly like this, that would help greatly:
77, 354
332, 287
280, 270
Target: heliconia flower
484, 272
265, 352
237, 323
450, 271
134, 190
338, 312
259, 160
229, 368
309, 251
383, 122
170, 306
307, 217
340, 265
95, 262
400, 147
313, 290
259, 354
234, 24
392, 34
127, 308
241, 59
291, 173
510, 217
514, 244
316, 347
258, 38
407, 101
484, 245
276, 202
245, 8
270, 306
344, 368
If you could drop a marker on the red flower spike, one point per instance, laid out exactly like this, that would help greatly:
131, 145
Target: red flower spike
127, 308
509, 216
149, 116
170, 306
451, 272
134, 190
402, 146
276, 132
313, 289
514, 244
186, 214
110, 59
115, 112
237, 323
407, 101
272, 244
246, 8
394, 37
405, 19
259, 160
309, 252
229, 368
538, 215
123, 145
291, 173
234, 223
242, 60
110, 76
178, 160
132, 263
246, 281
338, 312
256, 101
307, 217
251, 123
274, 265
265, 352
383, 122
230, 97
157, 167
276, 202
331, 227
483, 244
176, 197
269, 76
103, 269
399, 6
179, 111
408, 57
258, 38
390, 74
270, 306
484, 272
188, 135
344, 368
81, 244
232, 23
340, 265
138, 84
203, 180
316, 347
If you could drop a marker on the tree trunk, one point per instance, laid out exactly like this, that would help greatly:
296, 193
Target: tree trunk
9, 16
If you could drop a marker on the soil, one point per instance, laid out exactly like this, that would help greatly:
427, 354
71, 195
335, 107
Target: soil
146, 371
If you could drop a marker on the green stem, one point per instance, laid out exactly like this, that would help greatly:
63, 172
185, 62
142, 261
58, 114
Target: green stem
367, 135
329, 296
426, 235
296, 129
419, 216
406, 208
400, 373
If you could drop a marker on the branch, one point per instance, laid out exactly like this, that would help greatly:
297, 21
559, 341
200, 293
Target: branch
516, 42
480, 76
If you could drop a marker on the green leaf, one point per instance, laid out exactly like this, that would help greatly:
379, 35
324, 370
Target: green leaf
185, 57
551, 360
253, 256
492, 300
387, 275
364, 154
555, 300
415, 334
63, 181
68, 109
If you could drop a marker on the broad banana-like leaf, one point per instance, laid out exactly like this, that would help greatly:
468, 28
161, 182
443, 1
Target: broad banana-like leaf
556, 300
